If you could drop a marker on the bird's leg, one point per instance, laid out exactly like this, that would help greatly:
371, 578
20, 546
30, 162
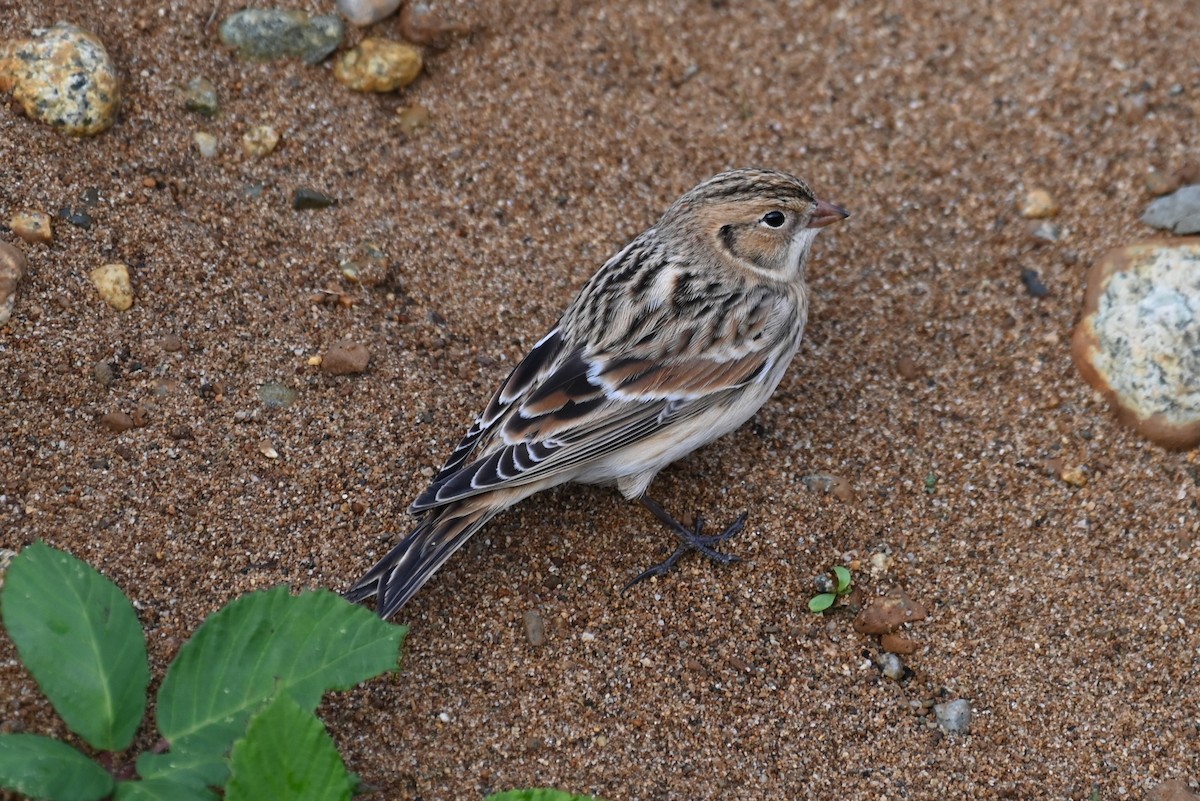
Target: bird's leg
690, 540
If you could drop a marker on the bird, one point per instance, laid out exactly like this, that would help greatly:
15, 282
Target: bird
675, 341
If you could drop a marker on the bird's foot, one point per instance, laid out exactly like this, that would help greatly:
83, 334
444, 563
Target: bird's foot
692, 539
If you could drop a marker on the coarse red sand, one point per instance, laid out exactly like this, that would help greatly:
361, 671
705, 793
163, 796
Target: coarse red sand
1064, 609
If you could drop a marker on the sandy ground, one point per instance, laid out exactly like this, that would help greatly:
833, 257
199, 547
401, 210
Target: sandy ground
1066, 614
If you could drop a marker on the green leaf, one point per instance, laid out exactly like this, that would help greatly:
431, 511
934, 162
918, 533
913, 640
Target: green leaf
41, 767
539, 794
80, 638
259, 646
163, 790
843, 579
286, 755
819, 603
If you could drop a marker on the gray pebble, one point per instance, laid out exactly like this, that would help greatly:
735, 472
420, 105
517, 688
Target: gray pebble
1178, 211
891, 666
266, 34
276, 396
954, 716
535, 628
104, 374
201, 96
367, 12
306, 198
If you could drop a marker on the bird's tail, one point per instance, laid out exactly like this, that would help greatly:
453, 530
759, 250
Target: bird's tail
396, 577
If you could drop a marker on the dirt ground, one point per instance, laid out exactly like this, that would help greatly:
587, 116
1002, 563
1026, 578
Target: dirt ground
1057, 553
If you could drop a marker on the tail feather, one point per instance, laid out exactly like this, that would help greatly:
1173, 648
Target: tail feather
396, 577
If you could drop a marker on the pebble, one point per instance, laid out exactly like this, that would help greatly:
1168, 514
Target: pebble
891, 666
276, 396
266, 34
77, 217
1161, 183
412, 118
886, 614
898, 644
112, 281
908, 369
1037, 204
535, 628
954, 716
172, 344
1178, 212
1033, 283
378, 65
62, 76
12, 269
306, 198
104, 373
345, 357
206, 144
1138, 341
367, 12
1045, 231
259, 141
421, 23
117, 422
200, 96
32, 226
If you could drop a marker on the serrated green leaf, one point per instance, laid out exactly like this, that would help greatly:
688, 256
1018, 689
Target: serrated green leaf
819, 603
259, 646
843, 579
162, 790
286, 755
539, 794
78, 635
41, 767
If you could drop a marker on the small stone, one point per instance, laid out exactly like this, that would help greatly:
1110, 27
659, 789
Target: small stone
62, 76
898, 644
421, 23
12, 269
367, 12
117, 422
886, 614
266, 34
306, 198
181, 431
77, 217
345, 357
1044, 231
1178, 212
1174, 790
378, 65
836, 486
112, 281
535, 628
104, 373
206, 144
1037, 203
172, 343
1161, 183
1138, 341
954, 716
891, 666
276, 396
200, 96
32, 226
259, 141
881, 561
141, 416
268, 450
908, 369
1033, 283
412, 118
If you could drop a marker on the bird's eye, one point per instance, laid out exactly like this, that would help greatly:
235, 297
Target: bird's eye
774, 219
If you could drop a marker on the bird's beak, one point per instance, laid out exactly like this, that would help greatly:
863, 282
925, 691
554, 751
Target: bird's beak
827, 214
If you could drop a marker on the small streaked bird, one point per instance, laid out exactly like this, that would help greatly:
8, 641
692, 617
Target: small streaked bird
678, 339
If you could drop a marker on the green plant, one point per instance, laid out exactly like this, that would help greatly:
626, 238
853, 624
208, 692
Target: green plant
839, 586
235, 709
540, 794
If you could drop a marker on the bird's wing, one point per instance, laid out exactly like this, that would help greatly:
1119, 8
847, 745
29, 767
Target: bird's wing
562, 407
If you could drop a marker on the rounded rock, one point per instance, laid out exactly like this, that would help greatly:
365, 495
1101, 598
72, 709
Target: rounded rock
954, 716
346, 357
112, 281
1138, 341
206, 144
200, 96
12, 269
32, 226
260, 141
63, 76
266, 34
379, 65
1178, 212
1037, 204
367, 12
117, 422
